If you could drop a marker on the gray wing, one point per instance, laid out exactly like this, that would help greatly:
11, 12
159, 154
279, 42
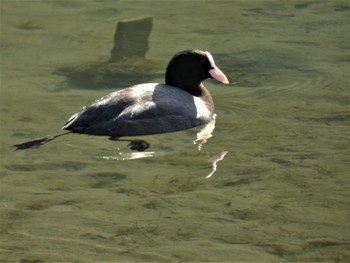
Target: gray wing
139, 110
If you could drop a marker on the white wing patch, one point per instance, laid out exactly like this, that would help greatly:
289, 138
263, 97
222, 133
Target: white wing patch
142, 103
138, 108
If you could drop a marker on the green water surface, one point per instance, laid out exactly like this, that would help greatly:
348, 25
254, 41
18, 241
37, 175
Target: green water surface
280, 194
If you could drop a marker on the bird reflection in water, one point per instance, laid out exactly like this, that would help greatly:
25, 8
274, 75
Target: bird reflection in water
201, 138
214, 160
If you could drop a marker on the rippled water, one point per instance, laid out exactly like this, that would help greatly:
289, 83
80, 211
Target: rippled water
280, 192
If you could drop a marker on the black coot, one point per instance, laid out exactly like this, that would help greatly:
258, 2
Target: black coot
181, 103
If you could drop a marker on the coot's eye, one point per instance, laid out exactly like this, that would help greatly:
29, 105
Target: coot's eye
202, 61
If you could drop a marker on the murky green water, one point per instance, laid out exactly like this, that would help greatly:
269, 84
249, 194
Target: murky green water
280, 193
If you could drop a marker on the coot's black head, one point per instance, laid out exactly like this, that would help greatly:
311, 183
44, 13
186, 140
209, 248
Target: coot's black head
187, 69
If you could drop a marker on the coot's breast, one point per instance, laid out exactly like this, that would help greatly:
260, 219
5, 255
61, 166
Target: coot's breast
141, 110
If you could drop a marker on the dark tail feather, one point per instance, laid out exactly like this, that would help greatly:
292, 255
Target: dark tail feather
37, 143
